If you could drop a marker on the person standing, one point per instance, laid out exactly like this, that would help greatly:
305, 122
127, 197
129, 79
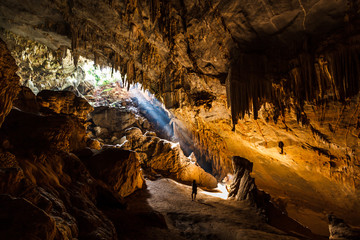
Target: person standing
194, 191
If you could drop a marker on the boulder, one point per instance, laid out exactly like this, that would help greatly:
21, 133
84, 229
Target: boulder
166, 158
26, 130
101, 132
117, 168
64, 102
113, 119
94, 144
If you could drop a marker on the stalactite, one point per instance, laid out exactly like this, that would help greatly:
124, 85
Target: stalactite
246, 85
154, 10
344, 65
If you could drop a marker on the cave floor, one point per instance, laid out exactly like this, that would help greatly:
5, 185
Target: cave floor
164, 210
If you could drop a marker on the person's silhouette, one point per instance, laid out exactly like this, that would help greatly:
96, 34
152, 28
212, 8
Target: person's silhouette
194, 191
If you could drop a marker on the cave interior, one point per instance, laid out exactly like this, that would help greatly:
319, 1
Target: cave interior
111, 111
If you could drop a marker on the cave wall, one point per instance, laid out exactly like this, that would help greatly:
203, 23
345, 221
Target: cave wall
40, 67
9, 81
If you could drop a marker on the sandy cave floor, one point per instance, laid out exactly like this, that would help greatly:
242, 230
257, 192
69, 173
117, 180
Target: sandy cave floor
164, 210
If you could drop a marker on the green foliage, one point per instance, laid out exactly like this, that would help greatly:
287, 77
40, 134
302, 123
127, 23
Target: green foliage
108, 89
100, 77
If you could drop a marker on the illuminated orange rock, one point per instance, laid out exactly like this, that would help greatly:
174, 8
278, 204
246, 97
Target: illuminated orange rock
243, 186
117, 168
27, 130
166, 158
64, 102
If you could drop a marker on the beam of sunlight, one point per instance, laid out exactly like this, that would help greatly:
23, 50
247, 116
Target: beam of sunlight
153, 109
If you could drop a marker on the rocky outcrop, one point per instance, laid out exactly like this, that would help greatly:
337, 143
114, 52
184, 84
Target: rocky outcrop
64, 102
113, 119
166, 158
243, 186
27, 130
9, 81
340, 230
110, 123
40, 178
63, 196
118, 168
19, 213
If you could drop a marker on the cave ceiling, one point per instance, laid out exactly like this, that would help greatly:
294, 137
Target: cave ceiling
158, 40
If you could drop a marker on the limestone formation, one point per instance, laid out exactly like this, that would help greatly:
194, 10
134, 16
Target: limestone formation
26, 130
119, 169
64, 102
243, 186
49, 184
41, 67
113, 119
288, 70
9, 81
166, 158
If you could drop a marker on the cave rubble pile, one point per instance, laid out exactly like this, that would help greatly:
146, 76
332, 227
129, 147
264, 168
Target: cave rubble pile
41, 177
127, 130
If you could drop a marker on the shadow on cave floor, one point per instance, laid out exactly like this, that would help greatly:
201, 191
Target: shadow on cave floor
164, 210
140, 220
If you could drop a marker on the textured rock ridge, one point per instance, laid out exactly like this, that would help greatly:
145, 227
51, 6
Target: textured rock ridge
41, 179
166, 158
9, 81
64, 102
